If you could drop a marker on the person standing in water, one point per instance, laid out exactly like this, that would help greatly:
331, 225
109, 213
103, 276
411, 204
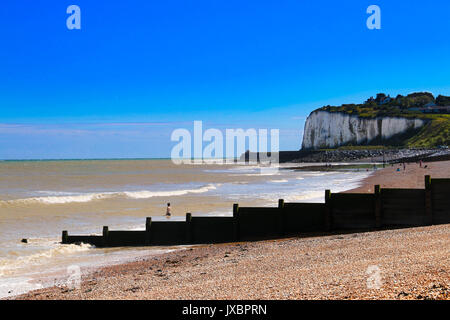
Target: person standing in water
168, 210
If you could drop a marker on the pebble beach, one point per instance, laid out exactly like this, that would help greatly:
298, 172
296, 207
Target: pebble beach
408, 263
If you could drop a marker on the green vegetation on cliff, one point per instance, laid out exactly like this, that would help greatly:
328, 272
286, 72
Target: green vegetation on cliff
435, 133
420, 105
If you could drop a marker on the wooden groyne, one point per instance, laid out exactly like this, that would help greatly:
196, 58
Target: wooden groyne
386, 208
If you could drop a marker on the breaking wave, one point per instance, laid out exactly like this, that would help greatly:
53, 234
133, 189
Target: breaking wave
88, 197
8, 265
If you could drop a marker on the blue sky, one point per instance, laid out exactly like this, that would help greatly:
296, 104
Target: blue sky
139, 69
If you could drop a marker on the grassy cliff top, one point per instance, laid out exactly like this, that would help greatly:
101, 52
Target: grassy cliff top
385, 106
434, 133
365, 111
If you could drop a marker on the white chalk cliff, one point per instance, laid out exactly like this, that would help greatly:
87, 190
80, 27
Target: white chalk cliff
325, 129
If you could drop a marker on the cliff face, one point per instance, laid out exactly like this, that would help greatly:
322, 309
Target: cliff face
325, 129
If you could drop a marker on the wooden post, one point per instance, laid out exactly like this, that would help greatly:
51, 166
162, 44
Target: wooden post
189, 238
236, 222
328, 211
105, 236
428, 201
281, 218
65, 237
148, 225
377, 192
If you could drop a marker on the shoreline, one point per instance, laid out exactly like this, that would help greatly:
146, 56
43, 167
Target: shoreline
330, 267
412, 177
324, 267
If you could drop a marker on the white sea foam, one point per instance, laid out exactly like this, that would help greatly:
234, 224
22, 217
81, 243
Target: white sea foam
262, 173
17, 277
8, 265
308, 197
88, 197
16, 286
68, 199
279, 181
150, 194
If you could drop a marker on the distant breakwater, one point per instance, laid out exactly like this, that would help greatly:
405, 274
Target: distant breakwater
360, 154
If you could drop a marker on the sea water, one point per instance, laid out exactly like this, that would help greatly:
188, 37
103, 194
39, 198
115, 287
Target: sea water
39, 199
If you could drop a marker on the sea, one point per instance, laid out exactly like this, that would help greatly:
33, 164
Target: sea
39, 199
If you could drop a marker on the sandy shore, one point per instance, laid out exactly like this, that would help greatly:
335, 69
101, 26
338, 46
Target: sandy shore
412, 177
394, 264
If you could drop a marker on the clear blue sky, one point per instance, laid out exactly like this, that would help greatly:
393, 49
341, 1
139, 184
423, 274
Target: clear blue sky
138, 69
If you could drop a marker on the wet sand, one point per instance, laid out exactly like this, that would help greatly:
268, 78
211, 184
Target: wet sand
392, 264
412, 177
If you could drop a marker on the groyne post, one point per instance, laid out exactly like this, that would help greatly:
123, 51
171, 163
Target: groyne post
148, 225
189, 228
328, 211
65, 237
377, 192
236, 221
428, 202
105, 236
281, 217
